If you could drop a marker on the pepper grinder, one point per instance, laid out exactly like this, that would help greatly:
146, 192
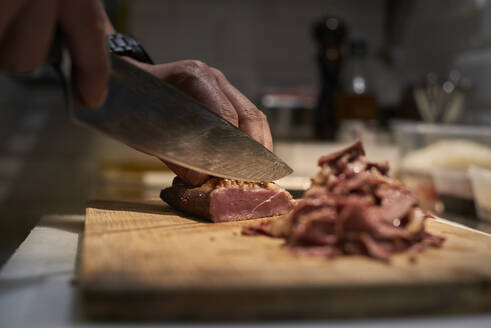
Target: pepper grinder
329, 33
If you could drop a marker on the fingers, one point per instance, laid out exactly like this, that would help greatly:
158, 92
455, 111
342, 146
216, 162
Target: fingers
251, 120
189, 176
196, 79
27, 40
210, 87
82, 22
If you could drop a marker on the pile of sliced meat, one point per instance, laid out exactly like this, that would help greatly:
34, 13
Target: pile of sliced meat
353, 207
224, 200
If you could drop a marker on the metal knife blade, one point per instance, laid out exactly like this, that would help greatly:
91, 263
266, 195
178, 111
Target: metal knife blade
155, 118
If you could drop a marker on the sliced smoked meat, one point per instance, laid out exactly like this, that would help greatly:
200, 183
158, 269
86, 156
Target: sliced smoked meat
352, 207
223, 200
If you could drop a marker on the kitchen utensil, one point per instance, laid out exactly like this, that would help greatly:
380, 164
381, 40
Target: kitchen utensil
155, 118
441, 102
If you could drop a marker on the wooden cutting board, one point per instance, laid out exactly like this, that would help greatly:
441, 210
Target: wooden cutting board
143, 260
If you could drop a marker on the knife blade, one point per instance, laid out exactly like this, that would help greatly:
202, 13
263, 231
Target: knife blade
153, 117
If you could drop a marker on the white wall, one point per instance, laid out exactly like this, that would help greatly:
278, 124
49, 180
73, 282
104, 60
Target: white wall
255, 43
262, 43
445, 34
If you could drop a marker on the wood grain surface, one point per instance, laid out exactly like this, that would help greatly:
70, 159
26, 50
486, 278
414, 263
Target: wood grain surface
143, 260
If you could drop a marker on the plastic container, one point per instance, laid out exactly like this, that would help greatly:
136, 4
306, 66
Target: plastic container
410, 136
452, 183
436, 157
454, 191
481, 187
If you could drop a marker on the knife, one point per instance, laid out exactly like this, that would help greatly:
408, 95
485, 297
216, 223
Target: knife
153, 117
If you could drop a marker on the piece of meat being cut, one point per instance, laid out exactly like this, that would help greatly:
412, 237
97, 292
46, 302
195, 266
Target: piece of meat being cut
222, 200
352, 207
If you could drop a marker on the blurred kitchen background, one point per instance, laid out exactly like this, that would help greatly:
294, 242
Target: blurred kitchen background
412, 78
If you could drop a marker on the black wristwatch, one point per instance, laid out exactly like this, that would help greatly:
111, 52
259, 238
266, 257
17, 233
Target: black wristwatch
125, 45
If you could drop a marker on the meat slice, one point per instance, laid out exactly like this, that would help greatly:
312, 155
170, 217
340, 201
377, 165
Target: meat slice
354, 151
352, 207
222, 200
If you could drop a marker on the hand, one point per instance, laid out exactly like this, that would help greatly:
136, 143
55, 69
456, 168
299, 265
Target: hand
26, 31
212, 89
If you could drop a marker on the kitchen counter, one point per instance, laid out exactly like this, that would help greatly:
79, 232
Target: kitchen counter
48, 165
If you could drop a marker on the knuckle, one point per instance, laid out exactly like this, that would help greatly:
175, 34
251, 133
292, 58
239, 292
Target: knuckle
196, 64
231, 117
228, 112
196, 68
217, 72
255, 114
189, 72
262, 116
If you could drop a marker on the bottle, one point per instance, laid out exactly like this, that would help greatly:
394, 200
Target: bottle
329, 33
356, 101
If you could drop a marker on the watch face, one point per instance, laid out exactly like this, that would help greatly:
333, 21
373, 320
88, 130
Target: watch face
124, 45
